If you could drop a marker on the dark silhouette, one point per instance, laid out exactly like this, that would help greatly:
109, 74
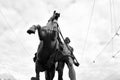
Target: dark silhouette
64, 55
51, 50
49, 44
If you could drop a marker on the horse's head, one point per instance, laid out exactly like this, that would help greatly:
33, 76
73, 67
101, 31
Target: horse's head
49, 33
55, 16
51, 29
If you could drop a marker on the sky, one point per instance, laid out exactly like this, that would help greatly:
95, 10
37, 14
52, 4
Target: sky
90, 24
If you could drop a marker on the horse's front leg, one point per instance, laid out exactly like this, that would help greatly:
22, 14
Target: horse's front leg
50, 73
37, 71
33, 29
37, 76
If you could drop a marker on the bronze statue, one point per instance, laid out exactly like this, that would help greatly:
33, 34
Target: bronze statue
49, 43
51, 50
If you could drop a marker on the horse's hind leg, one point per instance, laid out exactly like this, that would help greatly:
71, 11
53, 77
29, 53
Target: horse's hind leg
49, 74
37, 76
52, 72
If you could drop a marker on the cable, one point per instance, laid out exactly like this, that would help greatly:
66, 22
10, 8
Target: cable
116, 54
112, 5
114, 13
111, 15
111, 40
89, 24
26, 22
107, 44
111, 21
12, 30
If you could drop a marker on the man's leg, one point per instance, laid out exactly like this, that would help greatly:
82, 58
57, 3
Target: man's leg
60, 68
72, 74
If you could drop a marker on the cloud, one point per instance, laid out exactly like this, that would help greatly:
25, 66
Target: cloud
7, 76
18, 48
59, 5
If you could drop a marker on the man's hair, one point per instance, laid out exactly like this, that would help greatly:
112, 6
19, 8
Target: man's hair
67, 40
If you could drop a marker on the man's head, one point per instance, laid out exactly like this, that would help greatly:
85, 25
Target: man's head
67, 40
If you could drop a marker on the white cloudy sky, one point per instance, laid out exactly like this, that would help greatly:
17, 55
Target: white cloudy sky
90, 24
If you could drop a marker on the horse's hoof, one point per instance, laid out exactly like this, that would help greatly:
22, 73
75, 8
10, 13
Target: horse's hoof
34, 78
30, 31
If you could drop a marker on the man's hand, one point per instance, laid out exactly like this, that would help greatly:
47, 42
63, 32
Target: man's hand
76, 63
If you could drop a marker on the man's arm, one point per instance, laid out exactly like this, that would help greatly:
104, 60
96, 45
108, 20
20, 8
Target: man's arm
59, 39
73, 57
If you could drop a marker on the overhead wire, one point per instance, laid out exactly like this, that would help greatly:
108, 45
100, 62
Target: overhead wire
115, 24
111, 40
114, 14
112, 6
112, 26
25, 21
12, 30
111, 22
107, 44
116, 54
89, 25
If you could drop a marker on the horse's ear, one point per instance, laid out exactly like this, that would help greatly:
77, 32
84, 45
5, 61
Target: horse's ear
54, 12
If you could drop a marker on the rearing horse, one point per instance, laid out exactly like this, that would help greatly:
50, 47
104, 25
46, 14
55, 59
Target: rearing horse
48, 36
